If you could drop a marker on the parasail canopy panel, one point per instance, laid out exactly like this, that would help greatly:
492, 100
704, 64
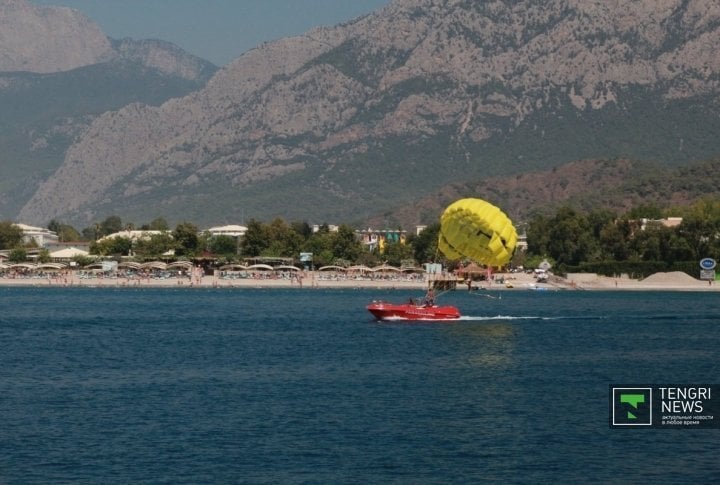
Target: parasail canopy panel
475, 229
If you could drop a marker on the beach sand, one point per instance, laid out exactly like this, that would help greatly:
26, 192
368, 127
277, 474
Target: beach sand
673, 281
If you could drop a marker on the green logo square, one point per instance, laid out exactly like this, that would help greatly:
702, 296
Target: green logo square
631, 406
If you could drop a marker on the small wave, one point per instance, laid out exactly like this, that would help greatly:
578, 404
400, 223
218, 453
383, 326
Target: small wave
681, 317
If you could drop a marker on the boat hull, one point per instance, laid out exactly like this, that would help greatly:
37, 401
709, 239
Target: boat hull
390, 311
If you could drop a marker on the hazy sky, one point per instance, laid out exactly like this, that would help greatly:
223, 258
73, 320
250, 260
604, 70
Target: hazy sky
216, 30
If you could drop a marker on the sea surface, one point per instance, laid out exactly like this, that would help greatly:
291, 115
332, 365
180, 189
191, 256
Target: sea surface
303, 386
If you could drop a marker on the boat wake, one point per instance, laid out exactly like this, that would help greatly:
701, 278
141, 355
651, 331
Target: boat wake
493, 318
475, 318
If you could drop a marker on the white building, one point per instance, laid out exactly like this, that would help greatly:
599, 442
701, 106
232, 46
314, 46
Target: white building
331, 228
230, 230
667, 222
132, 235
40, 235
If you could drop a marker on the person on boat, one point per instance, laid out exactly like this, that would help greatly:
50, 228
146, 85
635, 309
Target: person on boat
430, 297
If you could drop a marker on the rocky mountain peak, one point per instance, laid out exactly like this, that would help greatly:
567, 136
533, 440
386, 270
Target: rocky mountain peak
163, 56
48, 39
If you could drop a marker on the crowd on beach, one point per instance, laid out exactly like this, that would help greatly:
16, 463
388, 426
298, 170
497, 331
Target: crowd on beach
196, 276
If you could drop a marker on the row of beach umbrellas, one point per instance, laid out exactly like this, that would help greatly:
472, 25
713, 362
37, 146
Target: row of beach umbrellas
153, 265
349, 269
186, 265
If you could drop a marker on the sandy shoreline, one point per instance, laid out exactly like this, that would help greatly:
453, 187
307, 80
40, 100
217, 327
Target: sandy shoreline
675, 281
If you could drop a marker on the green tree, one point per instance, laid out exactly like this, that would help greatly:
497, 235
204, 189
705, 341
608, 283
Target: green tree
158, 224
91, 233
599, 219
255, 240
65, 232
303, 229
613, 242
538, 235
345, 244
44, 256
424, 245
396, 252
83, 260
154, 246
186, 239
570, 238
17, 255
119, 246
680, 250
284, 241
110, 225
645, 212
320, 245
10, 235
701, 228
223, 245
54, 225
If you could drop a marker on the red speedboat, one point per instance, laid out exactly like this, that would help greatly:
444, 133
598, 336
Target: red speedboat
412, 311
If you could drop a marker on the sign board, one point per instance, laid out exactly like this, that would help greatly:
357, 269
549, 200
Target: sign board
707, 274
707, 263
433, 268
305, 257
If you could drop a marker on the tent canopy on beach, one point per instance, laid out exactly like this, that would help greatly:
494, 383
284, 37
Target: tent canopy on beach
472, 268
21, 266
287, 267
67, 253
129, 265
412, 269
359, 268
159, 265
55, 266
233, 267
385, 268
264, 267
332, 268
180, 265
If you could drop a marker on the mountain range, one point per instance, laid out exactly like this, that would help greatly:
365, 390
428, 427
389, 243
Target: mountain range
58, 73
369, 117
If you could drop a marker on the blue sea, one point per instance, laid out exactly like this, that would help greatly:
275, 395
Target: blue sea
303, 386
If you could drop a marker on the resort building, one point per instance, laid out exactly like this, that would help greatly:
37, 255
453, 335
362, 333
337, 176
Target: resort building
667, 222
41, 236
230, 230
522, 244
62, 245
372, 238
132, 235
331, 228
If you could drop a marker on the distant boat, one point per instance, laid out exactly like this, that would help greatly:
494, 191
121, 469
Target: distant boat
413, 310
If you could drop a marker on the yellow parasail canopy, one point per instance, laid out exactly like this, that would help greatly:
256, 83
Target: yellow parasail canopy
476, 229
